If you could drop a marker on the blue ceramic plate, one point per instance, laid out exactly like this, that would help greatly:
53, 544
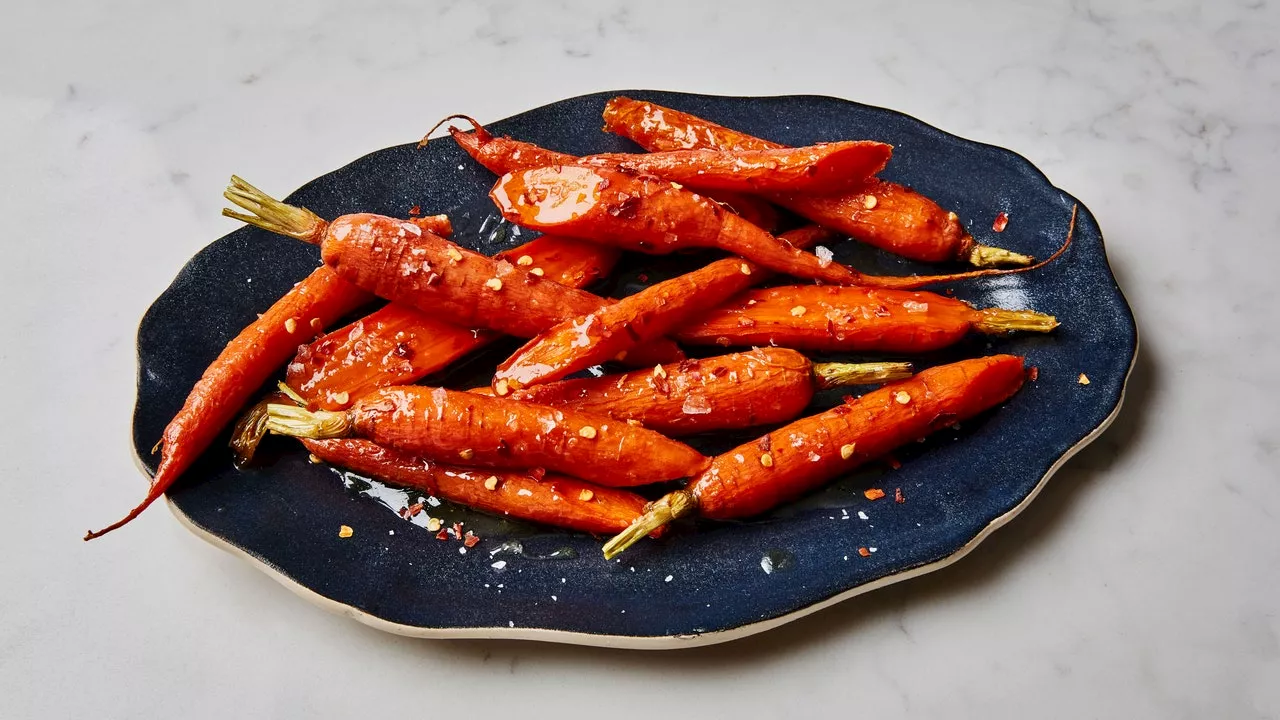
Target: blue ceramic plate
701, 585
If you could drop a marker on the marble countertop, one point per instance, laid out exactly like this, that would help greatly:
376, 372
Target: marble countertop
1144, 581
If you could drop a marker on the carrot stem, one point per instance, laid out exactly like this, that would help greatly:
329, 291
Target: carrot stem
984, 256
270, 214
829, 375
657, 514
994, 321
300, 422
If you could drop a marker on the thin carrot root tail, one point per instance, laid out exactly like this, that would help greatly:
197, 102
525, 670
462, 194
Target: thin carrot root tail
829, 375
984, 256
995, 321
657, 514
270, 214
300, 422
475, 127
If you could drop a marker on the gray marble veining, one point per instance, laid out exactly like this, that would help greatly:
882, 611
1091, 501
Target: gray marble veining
1144, 582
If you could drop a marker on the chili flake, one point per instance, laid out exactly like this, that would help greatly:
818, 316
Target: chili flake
345, 531
873, 493
864, 552
1084, 379
1001, 221
471, 539
897, 496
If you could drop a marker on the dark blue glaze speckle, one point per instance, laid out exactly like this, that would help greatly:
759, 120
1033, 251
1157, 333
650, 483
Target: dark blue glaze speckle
287, 513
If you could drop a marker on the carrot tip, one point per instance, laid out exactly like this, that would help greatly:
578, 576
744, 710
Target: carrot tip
986, 256
270, 214
657, 515
475, 127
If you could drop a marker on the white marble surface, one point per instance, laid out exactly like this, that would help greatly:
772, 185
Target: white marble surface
1145, 581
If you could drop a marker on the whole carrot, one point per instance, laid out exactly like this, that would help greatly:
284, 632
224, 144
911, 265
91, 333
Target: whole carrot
759, 387
819, 168
240, 369
402, 263
794, 459
399, 345
655, 216
612, 331
495, 432
503, 155
545, 498
852, 319
883, 214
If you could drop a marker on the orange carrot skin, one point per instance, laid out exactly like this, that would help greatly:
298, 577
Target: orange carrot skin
579, 343
247, 362
646, 214
807, 453
834, 319
760, 387
496, 432
555, 500
396, 260
501, 155
399, 345
899, 220
400, 262
823, 168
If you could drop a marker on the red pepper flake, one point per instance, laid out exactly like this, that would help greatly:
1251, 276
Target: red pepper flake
442, 535
893, 462
456, 530
1001, 221
897, 496
410, 511
864, 552
642, 278
415, 211
765, 443
1033, 373
471, 539
873, 493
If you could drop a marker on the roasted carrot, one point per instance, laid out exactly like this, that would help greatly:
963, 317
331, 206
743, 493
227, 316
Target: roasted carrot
240, 369
399, 345
882, 214
495, 432
503, 155
402, 263
821, 168
796, 458
759, 387
614, 330
852, 319
658, 217
545, 498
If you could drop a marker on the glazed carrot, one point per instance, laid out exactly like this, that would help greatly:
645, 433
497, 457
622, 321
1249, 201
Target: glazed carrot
883, 214
820, 168
555, 500
496, 432
402, 263
240, 369
614, 330
850, 319
399, 345
759, 387
658, 217
503, 155
794, 459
